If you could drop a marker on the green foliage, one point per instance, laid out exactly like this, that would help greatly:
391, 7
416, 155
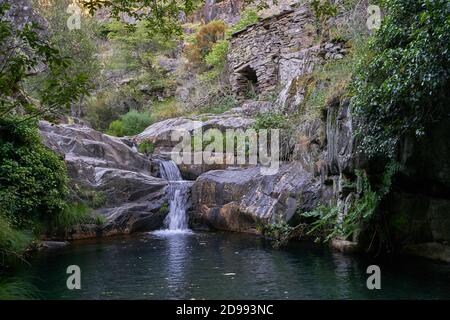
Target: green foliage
327, 226
402, 82
137, 50
146, 147
80, 45
164, 209
220, 103
106, 107
271, 120
17, 289
279, 233
327, 82
33, 178
25, 50
94, 199
201, 45
323, 10
248, 17
99, 220
130, 124
160, 17
217, 57
72, 215
168, 108
116, 129
13, 243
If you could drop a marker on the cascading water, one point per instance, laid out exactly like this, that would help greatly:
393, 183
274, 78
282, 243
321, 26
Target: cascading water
176, 220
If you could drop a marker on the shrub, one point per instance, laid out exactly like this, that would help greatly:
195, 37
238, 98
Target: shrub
401, 83
217, 57
33, 178
116, 129
271, 120
130, 124
203, 42
169, 108
146, 147
74, 214
13, 242
279, 233
248, 17
17, 289
326, 225
165, 208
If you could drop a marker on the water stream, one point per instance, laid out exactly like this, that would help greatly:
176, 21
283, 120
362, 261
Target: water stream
177, 219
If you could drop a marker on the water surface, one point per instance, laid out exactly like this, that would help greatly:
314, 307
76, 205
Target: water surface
171, 265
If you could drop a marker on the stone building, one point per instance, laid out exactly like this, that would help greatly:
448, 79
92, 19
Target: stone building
267, 53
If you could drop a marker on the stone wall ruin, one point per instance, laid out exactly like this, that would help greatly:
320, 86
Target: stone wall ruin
266, 54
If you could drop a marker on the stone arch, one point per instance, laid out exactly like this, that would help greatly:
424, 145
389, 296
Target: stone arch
246, 80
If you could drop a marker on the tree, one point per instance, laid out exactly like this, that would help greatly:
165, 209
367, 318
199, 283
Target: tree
25, 53
163, 17
402, 83
79, 45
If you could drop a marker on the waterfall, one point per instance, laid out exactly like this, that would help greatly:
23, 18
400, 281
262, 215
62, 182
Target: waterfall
169, 170
177, 219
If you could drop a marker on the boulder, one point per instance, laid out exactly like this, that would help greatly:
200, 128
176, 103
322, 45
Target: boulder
345, 246
107, 165
49, 245
160, 133
429, 250
239, 199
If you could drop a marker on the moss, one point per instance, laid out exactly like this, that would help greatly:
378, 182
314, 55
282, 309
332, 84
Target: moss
164, 209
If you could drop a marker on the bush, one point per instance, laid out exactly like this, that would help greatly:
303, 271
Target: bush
217, 57
279, 233
169, 108
146, 147
326, 225
13, 242
17, 289
271, 120
75, 214
203, 42
132, 123
402, 82
104, 108
34, 178
116, 129
248, 17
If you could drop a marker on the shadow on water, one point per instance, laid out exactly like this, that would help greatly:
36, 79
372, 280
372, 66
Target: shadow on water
168, 265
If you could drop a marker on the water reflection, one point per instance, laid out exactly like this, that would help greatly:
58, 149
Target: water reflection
226, 266
176, 255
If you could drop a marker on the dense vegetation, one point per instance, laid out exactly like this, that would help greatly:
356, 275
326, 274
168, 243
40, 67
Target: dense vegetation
33, 189
402, 82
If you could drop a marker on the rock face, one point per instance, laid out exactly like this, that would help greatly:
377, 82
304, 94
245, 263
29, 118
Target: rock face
107, 166
160, 134
239, 199
226, 10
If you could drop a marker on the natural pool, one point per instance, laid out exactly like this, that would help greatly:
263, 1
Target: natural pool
224, 265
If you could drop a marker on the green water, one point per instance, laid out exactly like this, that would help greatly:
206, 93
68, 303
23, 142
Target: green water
225, 266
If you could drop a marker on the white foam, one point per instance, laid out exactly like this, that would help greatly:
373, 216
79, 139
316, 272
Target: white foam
168, 232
